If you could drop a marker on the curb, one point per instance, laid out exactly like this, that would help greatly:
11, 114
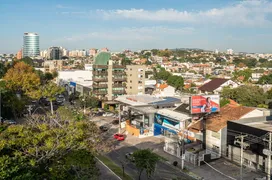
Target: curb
190, 174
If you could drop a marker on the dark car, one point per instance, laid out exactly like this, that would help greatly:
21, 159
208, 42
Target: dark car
115, 122
44, 101
103, 128
10, 121
130, 157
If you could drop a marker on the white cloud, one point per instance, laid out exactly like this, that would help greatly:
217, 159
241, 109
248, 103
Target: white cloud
131, 34
59, 6
247, 12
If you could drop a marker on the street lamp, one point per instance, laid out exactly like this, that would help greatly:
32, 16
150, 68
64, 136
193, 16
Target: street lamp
84, 105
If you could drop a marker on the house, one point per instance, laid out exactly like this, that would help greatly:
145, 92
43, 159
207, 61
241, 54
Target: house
215, 139
256, 131
216, 85
164, 90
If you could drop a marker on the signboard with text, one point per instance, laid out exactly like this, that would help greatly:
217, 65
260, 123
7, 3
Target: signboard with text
205, 104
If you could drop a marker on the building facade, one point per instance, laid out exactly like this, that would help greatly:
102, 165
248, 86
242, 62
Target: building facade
31, 46
19, 54
54, 53
135, 79
109, 78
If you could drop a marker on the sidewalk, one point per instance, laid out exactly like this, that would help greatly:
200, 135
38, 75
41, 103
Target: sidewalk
229, 170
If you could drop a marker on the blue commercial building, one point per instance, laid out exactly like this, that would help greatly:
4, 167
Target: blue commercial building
31, 46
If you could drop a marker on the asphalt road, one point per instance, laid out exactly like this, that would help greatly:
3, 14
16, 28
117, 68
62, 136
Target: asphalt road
163, 171
105, 173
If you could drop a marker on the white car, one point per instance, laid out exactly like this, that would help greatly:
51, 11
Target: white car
108, 114
237, 142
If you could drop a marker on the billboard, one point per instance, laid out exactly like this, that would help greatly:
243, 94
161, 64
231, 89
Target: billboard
205, 104
166, 122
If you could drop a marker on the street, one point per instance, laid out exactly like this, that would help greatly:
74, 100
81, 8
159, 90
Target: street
165, 170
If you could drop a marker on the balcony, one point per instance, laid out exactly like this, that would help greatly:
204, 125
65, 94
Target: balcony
119, 67
100, 73
100, 92
96, 79
118, 92
100, 85
119, 78
119, 85
118, 72
100, 66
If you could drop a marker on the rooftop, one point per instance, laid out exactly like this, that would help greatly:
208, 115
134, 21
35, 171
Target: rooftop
145, 99
263, 123
173, 114
102, 58
219, 120
213, 84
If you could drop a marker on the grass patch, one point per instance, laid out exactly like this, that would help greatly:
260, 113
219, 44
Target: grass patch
114, 167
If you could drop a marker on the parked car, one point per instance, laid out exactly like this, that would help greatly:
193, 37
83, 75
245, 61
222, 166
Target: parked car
10, 121
44, 101
60, 99
104, 128
99, 114
119, 137
115, 122
108, 114
237, 142
130, 157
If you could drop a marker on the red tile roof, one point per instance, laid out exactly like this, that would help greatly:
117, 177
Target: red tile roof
213, 84
218, 121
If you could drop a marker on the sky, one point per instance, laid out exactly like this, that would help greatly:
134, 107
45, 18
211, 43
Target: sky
244, 26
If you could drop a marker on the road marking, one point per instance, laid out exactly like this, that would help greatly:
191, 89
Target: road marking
108, 168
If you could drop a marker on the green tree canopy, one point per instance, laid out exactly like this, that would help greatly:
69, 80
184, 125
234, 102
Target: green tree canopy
266, 79
146, 160
176, 81
246, 95
50, 148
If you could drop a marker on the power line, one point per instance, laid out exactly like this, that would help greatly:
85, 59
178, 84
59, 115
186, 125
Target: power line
219, 171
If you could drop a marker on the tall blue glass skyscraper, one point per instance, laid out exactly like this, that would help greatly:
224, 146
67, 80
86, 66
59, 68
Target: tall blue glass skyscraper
31, 47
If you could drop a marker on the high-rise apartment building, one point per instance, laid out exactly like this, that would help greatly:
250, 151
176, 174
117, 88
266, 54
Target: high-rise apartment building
54, 53
135, 79
230, 51
104, 50
19, 54
109, 77
92, 52
31, 47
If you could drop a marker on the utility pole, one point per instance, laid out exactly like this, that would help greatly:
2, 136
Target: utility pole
119, 129
269, 157
242, 155
183, 147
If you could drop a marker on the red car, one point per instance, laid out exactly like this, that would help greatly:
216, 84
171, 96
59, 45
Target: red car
119, 137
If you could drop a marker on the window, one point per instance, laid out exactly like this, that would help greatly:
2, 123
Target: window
130, 81
130, 87
130, 74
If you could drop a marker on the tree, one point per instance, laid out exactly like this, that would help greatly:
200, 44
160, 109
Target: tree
244, 73
21, 78
50, 148
146, 160
3, 70
176, 81
247, 95
27, 60
266, 79
49, 90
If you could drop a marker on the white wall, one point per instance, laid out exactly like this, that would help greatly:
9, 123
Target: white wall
254, 113
228, 83
75, 76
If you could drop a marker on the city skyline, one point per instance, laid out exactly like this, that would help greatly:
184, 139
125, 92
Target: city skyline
146, 24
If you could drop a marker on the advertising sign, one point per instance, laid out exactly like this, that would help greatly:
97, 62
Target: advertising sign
205, 104
166, 122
